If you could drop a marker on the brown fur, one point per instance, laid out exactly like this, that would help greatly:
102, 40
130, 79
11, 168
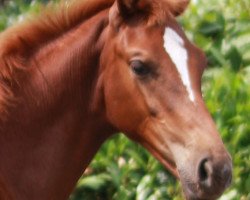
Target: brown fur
21, 41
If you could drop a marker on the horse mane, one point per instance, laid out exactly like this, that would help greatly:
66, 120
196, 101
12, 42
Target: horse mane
20, 42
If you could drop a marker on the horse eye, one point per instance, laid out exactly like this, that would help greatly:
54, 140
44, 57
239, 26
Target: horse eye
140, 68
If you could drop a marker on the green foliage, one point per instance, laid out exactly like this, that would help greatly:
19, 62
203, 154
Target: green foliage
122, 170
222, 30
15, 11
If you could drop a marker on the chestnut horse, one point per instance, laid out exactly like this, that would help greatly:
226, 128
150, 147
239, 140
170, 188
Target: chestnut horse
78, 74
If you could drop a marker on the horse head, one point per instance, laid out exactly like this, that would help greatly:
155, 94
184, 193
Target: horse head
151, 78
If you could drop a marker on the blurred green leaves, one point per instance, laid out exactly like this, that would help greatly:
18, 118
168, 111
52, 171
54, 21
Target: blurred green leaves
15, 11
222, 30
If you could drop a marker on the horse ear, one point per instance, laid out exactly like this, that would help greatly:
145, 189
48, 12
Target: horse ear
177, 7
128, 8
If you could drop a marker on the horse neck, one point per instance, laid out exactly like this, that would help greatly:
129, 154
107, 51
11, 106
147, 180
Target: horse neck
52, 134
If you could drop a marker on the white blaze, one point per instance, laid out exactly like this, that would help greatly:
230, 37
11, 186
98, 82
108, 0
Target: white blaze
175, 48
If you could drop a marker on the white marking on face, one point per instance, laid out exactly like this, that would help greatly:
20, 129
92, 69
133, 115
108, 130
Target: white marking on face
174, 46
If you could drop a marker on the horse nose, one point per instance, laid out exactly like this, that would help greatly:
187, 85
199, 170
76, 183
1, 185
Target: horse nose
214, 175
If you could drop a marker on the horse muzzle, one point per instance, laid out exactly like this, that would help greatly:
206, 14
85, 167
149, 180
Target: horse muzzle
212, 176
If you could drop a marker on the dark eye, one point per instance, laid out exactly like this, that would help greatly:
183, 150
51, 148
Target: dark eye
140, 68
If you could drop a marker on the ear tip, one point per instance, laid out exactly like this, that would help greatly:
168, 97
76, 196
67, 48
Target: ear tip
177, 7
129, 7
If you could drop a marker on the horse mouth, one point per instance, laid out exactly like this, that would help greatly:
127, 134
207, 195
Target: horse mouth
166, 162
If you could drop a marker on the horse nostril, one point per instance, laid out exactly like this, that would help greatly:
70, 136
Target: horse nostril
211, 173
205, 171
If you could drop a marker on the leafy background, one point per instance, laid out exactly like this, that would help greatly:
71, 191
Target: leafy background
122, 170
